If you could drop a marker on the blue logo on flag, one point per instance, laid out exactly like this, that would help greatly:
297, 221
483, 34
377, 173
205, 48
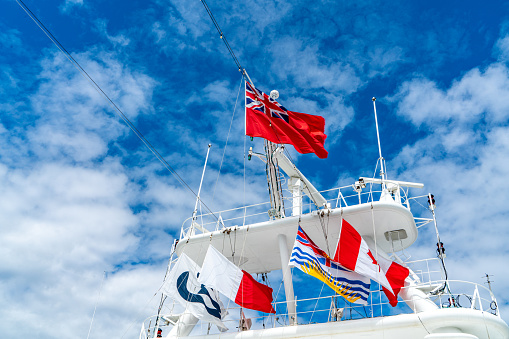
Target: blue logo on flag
199, 297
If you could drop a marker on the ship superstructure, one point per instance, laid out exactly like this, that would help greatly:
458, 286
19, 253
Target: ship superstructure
431, 305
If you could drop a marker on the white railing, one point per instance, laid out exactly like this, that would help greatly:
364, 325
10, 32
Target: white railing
425, 271
336, 197
480, 298
334, 308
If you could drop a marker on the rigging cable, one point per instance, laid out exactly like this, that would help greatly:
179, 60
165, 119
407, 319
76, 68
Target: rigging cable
119, 112
141, 311
240, 68
227, 137
96, 302
379, 271
221, 35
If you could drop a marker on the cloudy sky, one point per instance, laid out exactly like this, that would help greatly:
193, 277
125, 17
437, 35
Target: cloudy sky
82, 198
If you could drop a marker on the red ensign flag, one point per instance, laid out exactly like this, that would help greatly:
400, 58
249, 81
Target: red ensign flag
266, 118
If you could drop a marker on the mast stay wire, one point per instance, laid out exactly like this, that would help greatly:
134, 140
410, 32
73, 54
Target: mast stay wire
221, 35
239, 66
234, 57
227, 138
118, 111
96, 302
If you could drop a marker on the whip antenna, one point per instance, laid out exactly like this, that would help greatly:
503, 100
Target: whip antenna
382, 161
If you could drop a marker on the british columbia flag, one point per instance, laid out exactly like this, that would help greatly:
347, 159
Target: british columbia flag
309, 258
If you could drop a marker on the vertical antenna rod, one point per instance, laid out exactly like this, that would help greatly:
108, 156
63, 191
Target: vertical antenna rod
201, 182
382, 162
488, 281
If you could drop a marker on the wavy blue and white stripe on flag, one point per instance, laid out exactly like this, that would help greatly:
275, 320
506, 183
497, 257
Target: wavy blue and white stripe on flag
310, 259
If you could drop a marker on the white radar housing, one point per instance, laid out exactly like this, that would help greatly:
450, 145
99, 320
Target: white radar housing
274, 94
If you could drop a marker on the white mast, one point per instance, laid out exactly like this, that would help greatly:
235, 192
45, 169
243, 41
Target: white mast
272, 169
382, 161
277, 212
194, 223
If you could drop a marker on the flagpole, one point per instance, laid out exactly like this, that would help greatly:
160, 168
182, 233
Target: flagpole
245, 108
382, 162
248, 78
287, 280
199, 189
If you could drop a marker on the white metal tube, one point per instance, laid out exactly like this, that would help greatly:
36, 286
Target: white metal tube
184, 326
382, 163
417, 300
400, 183
272, 177
287, 279
295, 186
292, 171
248, 78
245, 107
201, 183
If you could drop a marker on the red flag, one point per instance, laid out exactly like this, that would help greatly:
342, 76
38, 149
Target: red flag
353, 253
236, 284
266, 118
253, 295
396, 275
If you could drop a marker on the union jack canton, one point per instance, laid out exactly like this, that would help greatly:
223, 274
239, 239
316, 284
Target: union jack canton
259, 101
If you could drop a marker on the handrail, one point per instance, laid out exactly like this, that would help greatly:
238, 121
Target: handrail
353, 197
481, 299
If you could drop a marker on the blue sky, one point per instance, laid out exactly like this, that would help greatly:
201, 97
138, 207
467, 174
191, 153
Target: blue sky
83, 196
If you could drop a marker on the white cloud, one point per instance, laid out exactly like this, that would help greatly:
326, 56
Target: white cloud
187, 19
299, 61
61, 224
70, 113
502, 48
68, 5
67, 217
11, 38
479, 93
121, 40
464, 159
383, 59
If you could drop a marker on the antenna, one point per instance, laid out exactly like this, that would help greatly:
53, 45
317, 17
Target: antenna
201, 182
488, 281
382, 161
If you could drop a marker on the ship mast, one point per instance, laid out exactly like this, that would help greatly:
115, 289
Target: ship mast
277, 210
276, 194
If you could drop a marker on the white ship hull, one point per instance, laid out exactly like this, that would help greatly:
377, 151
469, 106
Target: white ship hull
457, 323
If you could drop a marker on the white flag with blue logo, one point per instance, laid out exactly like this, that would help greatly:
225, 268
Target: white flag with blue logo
182, 285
